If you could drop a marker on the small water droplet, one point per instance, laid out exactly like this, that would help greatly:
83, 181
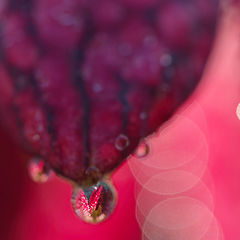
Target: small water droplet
143, 115
142, 150
121, 142
38, 171
97, 88
166, 60
36, 138
94, 204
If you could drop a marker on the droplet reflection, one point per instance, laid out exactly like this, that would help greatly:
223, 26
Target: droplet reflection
94, 204
38, 171
142, 150
121, 142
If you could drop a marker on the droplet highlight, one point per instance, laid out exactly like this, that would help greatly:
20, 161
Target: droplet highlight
142, 150
122, 142
166, 60
94, 204
38, 171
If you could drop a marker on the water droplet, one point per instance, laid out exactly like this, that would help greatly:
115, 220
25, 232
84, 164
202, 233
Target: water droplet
238, 111
97, 88
121, 142
142, 150
36, 138
94, 204
38, 171
143, 115
166, 60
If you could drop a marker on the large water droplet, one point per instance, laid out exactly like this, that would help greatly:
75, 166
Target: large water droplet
142, 150
95, 203
38, 171
121, 142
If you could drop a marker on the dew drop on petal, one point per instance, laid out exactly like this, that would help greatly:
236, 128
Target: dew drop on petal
94, 204
121, 142
38, 171
143, 115
166, 60
97, 88
142, 150
36, 137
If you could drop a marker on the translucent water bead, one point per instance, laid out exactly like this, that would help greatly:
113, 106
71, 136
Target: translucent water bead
94, 204
142, 150
38, 171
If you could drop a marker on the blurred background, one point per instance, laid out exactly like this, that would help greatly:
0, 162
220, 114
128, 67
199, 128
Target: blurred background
208, 122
